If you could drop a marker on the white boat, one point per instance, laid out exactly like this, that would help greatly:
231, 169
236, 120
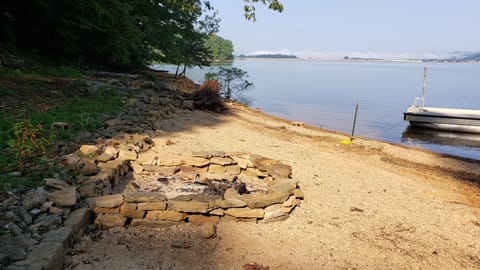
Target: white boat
450, 119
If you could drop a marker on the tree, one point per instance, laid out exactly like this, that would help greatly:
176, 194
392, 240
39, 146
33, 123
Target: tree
220, 48
232, 80
249, 7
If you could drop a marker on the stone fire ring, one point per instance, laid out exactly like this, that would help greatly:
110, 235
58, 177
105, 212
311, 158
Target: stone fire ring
234, 187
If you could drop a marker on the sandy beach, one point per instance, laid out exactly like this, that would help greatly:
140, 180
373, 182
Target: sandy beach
368, 205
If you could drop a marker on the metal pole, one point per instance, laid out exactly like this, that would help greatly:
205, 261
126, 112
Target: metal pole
354, 121
424, 85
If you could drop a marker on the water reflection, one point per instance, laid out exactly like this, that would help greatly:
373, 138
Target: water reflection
416, 136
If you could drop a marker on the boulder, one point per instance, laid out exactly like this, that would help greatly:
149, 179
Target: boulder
109, 201
64, 197
88, 150
34, 198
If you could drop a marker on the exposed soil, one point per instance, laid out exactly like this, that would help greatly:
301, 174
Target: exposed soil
368, 205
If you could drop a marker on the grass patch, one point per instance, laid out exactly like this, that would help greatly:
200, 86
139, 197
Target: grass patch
28, 103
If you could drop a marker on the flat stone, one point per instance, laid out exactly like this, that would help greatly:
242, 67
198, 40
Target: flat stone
217, 212
245, 212
100, 210
198, 161
78, 221
34, 198
46, 206
89, 168
63, 235
153, 223
263, 200
221, 161
231, 193
141, 197
241, 162
55, 183
23, 213
88, 190
209, 154
110, 220
12, 252
48, 221
233, 169
64, 197
201, 219
279, 170
230, 203
111, 151
298, 194
59, 125
189, 206
55, 210
127, 154
276, 219
87, 149
208, 230
48, 255
166, 215
290, 202
163, 170
216, 169
274, 211
159, 206
262, 163
287, 186
171, 161
109, 201
131, 213
104, 157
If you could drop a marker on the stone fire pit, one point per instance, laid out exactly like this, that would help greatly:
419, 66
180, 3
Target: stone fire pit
202, 188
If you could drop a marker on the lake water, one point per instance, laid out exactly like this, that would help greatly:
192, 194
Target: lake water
324, 94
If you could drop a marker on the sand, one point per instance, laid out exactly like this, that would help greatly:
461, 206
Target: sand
368, 205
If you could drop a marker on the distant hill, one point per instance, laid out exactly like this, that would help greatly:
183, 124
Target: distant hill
268, 56
460, 57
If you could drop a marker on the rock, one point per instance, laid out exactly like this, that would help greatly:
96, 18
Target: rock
111, 151
230, 203
88, 150
163, 170
110, 220
99, 210
89, 168
263, 200
189, 206
141, 197
188, 104
88, 190
46, 206
23, 214
55, 183
14, 229
286, 186
289, 204
216, 169
78, 221
55, 211
48, 255
47, 221
34, 198
217, 212
273, 211
59, 126
167, 215
62, 235
233, 170
262, 163
104, 157
221, 161
64, 197
231, 193
12, 252
241, 162
153, 223
209, 154
208, 230
171, 161
148, 206
298, 193
245, 212
131, 213
127, 153
201, 219
109, 201
279, 170
198, 161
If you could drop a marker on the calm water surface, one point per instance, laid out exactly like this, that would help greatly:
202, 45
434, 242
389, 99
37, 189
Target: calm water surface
324, 94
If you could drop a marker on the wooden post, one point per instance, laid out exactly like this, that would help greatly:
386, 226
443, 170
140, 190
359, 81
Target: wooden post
354, 121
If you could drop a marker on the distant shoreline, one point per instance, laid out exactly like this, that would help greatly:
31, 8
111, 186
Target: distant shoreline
356, 60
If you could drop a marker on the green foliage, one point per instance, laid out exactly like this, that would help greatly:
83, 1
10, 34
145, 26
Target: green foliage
28, 142
249, 7
232, 80
4, 92
221, 49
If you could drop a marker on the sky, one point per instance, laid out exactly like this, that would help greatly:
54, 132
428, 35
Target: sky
330, 29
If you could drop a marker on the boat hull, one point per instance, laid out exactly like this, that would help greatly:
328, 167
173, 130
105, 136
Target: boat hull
456, 120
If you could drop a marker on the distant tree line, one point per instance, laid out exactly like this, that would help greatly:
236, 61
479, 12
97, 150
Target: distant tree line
117, 33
